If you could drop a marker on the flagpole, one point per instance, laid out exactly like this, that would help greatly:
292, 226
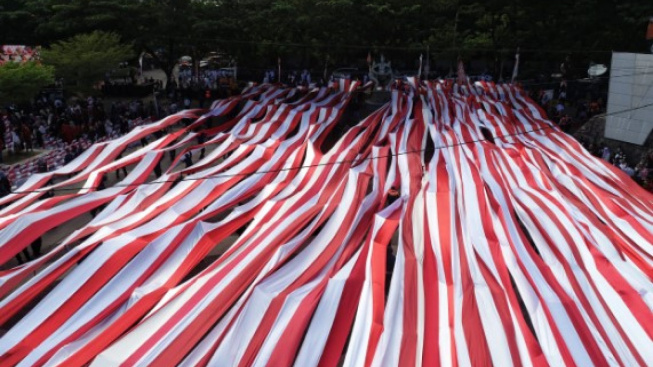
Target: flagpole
140, 63
462, 77
428, 61
279, 67
515, 69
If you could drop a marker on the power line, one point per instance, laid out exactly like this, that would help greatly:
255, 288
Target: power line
326, 163
283, 169
623, 111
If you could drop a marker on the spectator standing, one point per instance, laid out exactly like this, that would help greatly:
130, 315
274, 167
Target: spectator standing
201, 139
5, 184
188, 159
605, 154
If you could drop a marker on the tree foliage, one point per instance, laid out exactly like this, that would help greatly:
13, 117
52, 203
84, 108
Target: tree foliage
20, 82
164, 30
259, 31
44, 22
84, 59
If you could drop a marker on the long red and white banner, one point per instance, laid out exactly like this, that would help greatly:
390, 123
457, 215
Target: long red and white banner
453, 226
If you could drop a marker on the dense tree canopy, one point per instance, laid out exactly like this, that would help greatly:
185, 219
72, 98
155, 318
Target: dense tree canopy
256, 32
20, 82
84, 59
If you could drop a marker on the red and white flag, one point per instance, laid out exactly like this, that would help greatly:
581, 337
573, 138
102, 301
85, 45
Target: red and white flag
462, 78
524, 250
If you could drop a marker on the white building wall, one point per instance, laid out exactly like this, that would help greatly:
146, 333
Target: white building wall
631, 86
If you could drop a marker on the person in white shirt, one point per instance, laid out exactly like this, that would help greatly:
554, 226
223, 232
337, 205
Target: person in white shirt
605, 154
560, 107
15, 139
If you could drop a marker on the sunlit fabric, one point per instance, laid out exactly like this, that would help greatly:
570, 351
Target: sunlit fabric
514, 246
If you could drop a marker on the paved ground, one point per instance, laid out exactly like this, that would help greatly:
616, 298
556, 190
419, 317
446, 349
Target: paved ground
11, 159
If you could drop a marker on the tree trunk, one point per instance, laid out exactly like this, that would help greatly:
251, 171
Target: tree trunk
168, 71
169, 66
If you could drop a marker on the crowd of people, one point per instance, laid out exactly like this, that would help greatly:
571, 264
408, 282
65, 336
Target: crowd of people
210, 85
641, 172
30, 127
572, 110
568, 109
64, 130
211, 79
292, 78
48, 120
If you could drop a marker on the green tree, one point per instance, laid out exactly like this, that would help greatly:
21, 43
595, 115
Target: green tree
21, 82
164, 29
42, 22
84, 59
15, 19
256, 32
